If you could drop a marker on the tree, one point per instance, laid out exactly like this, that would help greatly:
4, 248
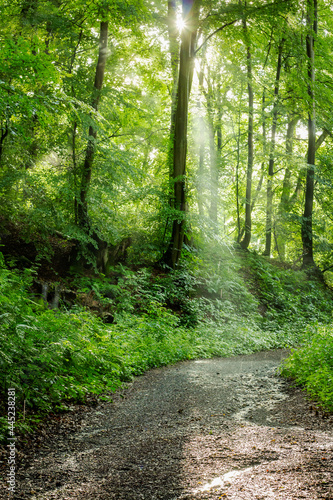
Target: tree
248, 220
83, 219
269, 208
174, 55
307, 235
101, 153
186, 67
283, 207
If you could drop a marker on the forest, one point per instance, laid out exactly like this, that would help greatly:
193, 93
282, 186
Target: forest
166, 191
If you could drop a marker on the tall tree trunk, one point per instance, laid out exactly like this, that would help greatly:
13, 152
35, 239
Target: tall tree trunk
214, 178
264, 147
239, 235
3, 134
269, 206
200, 176
302, 173
219, 121
218, 160
307, 236
286, 188
186, 66
74, 172
201, 139
83, 219
248, 222
174, 53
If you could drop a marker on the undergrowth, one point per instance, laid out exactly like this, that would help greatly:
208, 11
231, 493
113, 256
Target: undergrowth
303, 308
204, 309
312, 365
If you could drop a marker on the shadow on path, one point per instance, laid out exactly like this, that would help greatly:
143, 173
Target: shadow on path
205, 429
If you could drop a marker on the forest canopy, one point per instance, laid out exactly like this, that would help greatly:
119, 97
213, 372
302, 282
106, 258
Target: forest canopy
166, 191
172, 123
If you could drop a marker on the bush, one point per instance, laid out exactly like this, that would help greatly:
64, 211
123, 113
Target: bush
203, 309
312, 365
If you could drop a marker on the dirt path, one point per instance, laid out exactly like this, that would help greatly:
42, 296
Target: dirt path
207, 429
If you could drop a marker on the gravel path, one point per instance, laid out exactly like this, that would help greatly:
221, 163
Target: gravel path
206, 429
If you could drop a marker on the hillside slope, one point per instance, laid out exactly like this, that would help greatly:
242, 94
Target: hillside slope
87, 333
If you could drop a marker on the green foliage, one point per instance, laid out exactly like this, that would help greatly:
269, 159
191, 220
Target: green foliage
217, 302
312, 365
290, 298
298, 311
51, 356
204, 308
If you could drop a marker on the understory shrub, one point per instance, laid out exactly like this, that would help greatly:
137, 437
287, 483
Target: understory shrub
312, 365
205, 309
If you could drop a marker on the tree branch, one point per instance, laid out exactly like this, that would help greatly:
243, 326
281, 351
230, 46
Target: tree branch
214, 33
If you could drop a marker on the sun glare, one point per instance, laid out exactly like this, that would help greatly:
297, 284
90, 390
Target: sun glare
180, 22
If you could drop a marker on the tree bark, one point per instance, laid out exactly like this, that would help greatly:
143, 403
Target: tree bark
307, 235
264, 141
187, 47
74, 132
3, 135
248, 222
269, 206
302, 173
286, 188
219, 121
83, 219
174, 53
201, 136
214, 177
239, 235
201, 177
74, 172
